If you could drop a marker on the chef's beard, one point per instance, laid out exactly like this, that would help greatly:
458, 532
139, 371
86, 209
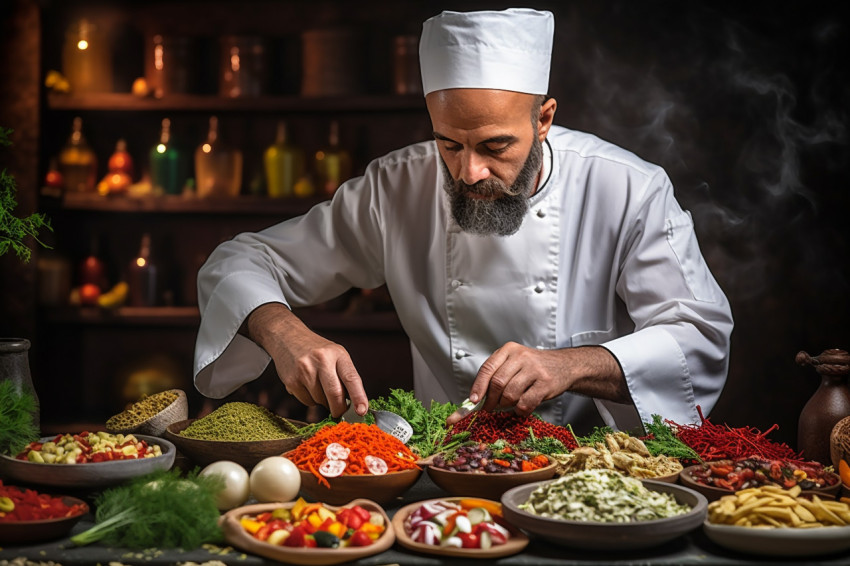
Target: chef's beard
505, 207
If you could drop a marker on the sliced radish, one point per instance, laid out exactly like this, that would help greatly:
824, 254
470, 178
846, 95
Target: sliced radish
332, 468
377, 466
336, 451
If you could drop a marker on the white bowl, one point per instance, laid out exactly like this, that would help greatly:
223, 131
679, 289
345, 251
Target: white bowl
779, 542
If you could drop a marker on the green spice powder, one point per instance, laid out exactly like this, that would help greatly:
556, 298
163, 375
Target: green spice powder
239, 422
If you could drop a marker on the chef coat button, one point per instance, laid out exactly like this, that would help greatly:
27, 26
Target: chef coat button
460, 354
539, 288
456, 283
541, 213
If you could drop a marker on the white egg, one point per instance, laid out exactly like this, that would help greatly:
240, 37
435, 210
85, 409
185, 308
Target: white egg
237, 484
275, 479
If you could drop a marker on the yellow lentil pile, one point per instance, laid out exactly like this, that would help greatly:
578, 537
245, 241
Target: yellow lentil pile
141, 410
239, 422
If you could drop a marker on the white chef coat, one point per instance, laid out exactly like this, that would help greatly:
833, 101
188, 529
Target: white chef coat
605, 256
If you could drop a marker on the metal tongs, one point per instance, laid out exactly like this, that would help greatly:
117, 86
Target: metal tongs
385, 420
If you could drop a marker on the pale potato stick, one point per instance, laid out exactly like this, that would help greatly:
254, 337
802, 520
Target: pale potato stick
804, 514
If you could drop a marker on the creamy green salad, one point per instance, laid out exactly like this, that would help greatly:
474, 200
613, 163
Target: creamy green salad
604, 496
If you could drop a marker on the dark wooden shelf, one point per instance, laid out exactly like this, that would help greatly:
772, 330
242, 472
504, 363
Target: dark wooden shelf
174, 204
109, 101
315, 318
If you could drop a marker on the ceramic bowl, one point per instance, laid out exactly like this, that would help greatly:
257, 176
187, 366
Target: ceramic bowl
177, 411
488, 486
247, 454
515, 544
235, 534
28, 532
592, 535
713, 493
779, 542
88, 475
384, 488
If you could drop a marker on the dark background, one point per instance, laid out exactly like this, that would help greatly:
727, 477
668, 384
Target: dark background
745, 105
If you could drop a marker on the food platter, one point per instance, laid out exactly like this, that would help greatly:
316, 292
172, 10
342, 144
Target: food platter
515, 544
90, 474
713, 493
779, 541
235, 534
608, 536
27, 532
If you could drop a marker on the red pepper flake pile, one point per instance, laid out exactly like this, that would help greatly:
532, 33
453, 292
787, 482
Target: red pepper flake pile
722, 442
351, 449
18, 504
489, 427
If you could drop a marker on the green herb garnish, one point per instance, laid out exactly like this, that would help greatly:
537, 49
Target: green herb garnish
596, 435
14, 230
161, 509
546, 445
662, 440
429, 425
17, 426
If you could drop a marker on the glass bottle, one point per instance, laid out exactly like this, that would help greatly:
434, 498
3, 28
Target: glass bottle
284, 164
333, 164
77, 161
15, 367
167, 165
87, 58
142, 277
218, 168
119, 176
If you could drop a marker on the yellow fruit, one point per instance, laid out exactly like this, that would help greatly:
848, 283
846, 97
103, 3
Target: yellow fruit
115, 297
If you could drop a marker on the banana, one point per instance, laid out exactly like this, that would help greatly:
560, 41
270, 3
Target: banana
115, 297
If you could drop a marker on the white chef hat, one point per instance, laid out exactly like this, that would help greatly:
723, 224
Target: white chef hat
503, 50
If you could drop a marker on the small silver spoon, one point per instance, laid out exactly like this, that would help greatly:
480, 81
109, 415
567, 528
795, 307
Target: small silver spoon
387, 421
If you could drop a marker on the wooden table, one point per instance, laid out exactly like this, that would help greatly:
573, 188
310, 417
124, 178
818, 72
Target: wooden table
694, 548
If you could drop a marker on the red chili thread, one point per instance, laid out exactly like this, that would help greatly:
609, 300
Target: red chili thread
721, 442
489, 427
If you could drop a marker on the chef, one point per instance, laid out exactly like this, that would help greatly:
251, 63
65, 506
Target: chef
535, 267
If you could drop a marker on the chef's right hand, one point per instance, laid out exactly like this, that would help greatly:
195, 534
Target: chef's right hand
313, 369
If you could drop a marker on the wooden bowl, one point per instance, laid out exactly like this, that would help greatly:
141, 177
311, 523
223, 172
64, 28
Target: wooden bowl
177, 411
383, 489
713, 493
27, 532
487, 486
247, 454
516, 543
235, 534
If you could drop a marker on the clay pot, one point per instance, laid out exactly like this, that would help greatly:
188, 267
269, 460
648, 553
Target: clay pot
829, 404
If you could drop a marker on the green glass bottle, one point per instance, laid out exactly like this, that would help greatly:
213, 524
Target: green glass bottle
333, 163
284, 164
167, 164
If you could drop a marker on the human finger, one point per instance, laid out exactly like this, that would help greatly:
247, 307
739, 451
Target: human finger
353, 385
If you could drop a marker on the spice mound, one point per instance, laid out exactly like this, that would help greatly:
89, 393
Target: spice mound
351, 449
603, 496
240, 422
140, 411
19, 504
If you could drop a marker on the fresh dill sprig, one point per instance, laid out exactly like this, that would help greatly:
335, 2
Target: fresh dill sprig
17, 426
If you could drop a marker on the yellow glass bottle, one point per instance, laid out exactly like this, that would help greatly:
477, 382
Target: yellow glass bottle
284, 164
87, 58
77, 161
218, 168
333, 164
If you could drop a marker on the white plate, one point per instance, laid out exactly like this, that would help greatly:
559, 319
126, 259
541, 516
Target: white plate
780, 542
594, 535
90, 474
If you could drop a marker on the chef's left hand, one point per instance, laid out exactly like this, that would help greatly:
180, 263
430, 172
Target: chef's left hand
522, 377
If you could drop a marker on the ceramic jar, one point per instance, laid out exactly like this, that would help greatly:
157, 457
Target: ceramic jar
14, 366
829, 404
